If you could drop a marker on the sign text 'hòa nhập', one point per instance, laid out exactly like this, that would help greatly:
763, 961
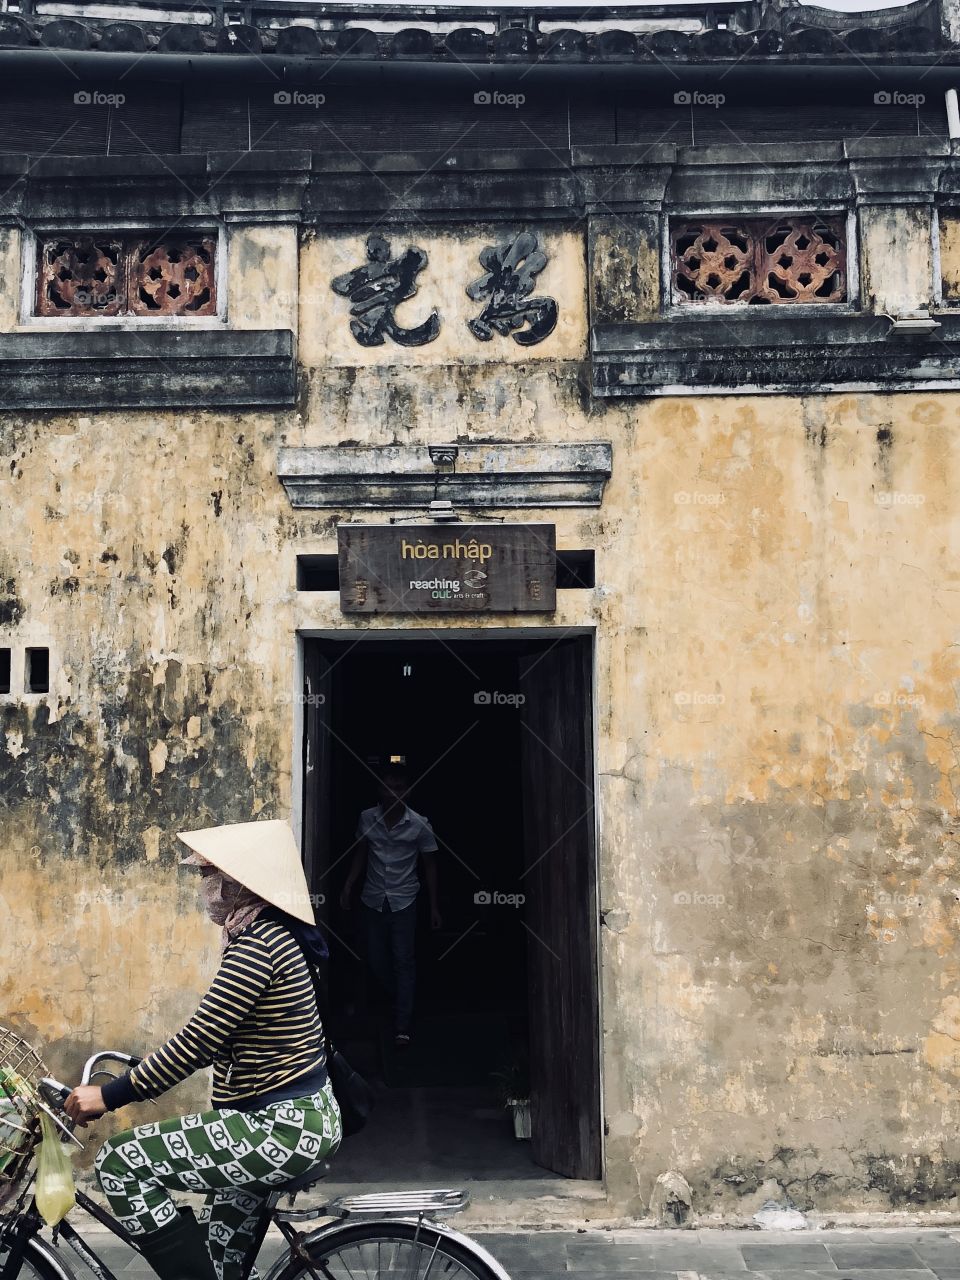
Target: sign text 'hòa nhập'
470, 568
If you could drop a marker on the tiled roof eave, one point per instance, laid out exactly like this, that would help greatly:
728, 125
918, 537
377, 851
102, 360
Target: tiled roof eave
733, 32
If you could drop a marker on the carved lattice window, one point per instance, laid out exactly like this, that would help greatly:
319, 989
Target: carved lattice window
99, 274
800, 258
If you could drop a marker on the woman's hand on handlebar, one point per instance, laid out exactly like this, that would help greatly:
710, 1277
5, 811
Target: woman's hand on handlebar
84, 1104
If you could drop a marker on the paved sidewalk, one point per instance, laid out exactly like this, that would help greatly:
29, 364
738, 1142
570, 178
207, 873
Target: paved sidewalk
680, 1255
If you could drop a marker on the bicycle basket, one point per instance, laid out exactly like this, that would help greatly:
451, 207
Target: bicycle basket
20, 1072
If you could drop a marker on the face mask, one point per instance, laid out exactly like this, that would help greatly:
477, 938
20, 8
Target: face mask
219, 896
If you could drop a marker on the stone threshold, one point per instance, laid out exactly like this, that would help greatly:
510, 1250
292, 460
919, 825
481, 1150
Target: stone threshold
566, 1204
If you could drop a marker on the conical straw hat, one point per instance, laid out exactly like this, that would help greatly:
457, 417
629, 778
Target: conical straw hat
262, 856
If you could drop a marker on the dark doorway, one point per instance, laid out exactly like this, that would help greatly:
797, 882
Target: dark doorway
496, 736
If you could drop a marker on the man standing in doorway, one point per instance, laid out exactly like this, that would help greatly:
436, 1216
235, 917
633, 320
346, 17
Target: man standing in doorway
391, 841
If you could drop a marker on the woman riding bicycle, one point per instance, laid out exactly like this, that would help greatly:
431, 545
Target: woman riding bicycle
274, 1115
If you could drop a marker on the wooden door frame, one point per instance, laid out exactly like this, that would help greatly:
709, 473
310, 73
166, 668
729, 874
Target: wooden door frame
380, 634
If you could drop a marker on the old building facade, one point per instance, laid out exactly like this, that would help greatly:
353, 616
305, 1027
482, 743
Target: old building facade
675, 289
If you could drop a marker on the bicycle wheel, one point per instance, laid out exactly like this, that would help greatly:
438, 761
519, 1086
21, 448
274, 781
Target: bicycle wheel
34, 1266
386, 1251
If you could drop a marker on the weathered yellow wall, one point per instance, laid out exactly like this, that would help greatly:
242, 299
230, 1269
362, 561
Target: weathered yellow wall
950, 254
896, 258
10, 277
262, 283
777, 731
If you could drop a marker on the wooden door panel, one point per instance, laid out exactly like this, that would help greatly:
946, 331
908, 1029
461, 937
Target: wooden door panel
560, 887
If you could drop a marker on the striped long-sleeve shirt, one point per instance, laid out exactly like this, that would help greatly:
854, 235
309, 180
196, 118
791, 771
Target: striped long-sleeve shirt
258, 1025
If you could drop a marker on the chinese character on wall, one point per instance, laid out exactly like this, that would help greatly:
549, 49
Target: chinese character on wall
376, 289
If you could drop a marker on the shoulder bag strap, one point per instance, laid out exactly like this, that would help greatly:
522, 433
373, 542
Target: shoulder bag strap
321, 1003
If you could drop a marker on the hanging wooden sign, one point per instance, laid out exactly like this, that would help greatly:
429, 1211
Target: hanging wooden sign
448, 568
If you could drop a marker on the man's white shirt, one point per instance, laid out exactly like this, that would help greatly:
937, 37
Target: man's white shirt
392, 856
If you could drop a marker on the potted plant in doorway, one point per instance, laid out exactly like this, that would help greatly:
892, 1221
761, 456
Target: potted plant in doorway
513, 1085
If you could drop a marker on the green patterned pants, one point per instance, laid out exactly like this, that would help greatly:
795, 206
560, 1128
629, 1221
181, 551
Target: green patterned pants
235, 1157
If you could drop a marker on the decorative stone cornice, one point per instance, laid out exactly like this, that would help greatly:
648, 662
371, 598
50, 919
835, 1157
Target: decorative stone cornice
908, 172
247, 187
496, 185
771, 351
484, 475
139, 369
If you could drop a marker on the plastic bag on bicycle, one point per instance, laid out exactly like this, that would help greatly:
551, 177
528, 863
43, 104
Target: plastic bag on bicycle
55, 1193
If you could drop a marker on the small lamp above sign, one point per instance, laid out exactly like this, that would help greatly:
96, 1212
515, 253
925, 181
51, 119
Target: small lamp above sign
443, 455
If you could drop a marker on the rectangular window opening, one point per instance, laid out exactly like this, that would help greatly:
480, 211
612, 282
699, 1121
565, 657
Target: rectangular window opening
5, 670
576, 570
318, 573
102, 273
775, 260
37, 674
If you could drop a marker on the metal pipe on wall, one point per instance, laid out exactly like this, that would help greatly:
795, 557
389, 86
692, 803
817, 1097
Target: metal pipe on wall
953, 114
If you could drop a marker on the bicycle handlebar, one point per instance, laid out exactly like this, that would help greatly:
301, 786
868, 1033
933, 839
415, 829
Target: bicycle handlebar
56, 1091
53, 1091
106, 1055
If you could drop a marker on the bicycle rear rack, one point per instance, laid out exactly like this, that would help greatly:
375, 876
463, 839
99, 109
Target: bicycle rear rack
387, 1204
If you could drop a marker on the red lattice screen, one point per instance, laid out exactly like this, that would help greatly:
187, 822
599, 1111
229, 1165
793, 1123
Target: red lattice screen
800, 258
106, 275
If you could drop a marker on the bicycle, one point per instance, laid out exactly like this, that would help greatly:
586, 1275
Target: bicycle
365, 1237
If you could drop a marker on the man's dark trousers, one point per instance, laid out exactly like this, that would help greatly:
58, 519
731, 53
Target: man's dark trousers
390, 954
